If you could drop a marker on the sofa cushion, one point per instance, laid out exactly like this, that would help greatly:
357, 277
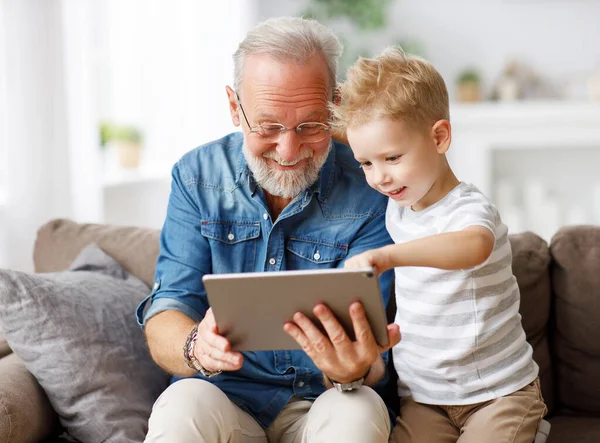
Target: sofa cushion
576, 283
59, 241
566, 429
25, 412
4, 348
76, 332
530, 267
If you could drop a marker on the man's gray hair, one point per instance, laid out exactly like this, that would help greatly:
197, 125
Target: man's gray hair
289, 39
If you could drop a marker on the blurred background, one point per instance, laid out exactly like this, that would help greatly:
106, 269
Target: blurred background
98, 99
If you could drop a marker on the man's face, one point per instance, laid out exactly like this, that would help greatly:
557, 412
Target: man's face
403, 163
288, 94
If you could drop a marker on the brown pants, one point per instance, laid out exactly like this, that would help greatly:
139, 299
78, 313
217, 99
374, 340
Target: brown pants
513, 418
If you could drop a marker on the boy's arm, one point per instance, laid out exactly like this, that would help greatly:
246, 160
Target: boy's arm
451, 251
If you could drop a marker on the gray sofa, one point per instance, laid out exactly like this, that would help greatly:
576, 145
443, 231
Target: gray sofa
560, 292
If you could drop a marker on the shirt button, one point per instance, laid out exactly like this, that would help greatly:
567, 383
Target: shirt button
231, 236
272, 261
155, 287
266, 216
300, 383
317, 256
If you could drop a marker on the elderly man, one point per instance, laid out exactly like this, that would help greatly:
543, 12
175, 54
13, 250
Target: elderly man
281, 195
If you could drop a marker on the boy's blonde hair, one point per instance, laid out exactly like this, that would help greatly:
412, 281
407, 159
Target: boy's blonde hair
392, 85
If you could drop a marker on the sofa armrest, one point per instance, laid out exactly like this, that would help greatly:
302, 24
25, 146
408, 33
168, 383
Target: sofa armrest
25, 412
576, 286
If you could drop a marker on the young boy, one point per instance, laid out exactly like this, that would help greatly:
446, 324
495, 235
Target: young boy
465, 370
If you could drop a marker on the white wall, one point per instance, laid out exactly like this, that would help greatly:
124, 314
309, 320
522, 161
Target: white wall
35, 137
558, 38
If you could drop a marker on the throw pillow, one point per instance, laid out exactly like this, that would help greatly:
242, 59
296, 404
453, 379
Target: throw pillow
76, 332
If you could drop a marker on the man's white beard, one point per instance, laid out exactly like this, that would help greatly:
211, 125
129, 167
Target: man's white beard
286, 184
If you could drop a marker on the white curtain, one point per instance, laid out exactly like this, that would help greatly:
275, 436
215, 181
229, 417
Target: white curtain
36, 170
43, 130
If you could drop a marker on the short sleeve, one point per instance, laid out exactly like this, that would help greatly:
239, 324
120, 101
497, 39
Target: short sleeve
470, 210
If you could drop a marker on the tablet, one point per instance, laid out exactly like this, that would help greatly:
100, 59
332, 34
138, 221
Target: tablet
251, 308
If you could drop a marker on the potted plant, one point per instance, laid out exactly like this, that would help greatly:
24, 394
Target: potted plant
469, 86
126, 140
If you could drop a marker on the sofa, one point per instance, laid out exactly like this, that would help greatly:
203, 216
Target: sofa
560, 306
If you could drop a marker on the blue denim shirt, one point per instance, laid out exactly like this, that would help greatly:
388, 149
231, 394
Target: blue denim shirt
218, 222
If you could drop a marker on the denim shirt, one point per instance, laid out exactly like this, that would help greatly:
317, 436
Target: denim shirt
218, 222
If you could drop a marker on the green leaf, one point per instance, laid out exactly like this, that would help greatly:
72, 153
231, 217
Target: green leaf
109, 131
367, 14
469, 75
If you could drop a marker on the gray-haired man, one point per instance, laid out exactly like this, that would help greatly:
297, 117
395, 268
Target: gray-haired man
280, 195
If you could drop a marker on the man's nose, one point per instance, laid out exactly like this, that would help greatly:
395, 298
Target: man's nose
289, 145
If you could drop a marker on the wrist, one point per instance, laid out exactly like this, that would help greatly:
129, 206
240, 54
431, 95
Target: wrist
190, 357
348, 386
345, 380
387, 258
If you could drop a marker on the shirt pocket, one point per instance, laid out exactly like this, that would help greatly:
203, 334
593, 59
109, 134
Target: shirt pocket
305, 253
233, 245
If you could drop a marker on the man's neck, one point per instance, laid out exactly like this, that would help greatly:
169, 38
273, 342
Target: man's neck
276, 204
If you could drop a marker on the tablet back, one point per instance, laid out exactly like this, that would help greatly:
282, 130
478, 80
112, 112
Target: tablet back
251, 308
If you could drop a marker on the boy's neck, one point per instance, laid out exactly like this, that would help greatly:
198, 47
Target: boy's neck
445, 183
449, 183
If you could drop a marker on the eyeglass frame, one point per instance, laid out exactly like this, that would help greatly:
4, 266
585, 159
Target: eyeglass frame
284, 129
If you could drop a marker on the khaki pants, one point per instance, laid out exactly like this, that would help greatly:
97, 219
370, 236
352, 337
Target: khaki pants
513, 418
194, 410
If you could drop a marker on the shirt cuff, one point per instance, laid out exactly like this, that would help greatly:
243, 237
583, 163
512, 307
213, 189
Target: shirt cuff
162, 304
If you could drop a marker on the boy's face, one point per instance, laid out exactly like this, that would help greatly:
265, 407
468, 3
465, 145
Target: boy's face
404, 163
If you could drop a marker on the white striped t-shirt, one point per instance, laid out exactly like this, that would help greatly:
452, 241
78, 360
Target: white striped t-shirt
462, 338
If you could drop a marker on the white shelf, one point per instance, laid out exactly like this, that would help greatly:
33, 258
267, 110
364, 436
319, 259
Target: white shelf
523, 146
126, 177
523, 114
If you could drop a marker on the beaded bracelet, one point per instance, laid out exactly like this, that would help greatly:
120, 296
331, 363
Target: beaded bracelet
190, 358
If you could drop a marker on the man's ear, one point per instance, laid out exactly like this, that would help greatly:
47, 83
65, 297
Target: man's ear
233, 106
441, 132
337, 96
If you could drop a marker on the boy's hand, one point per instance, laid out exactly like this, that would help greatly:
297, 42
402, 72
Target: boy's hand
375, 258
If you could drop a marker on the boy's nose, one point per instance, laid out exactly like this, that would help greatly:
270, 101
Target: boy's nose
380, 176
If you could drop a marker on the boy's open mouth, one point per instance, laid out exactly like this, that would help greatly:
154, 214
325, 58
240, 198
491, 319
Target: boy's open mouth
397, 191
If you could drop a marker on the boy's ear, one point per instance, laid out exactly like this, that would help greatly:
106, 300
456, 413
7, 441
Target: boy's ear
442, 135
233, 105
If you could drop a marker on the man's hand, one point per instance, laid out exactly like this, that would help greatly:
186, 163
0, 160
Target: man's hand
375, 258
212, 350
338, 357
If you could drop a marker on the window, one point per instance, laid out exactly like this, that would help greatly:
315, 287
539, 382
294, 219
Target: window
3, 111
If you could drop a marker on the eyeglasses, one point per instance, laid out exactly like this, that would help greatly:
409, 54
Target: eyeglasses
309, 132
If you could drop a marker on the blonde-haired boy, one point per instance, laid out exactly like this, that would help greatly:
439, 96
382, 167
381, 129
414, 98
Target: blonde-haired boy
465, 370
